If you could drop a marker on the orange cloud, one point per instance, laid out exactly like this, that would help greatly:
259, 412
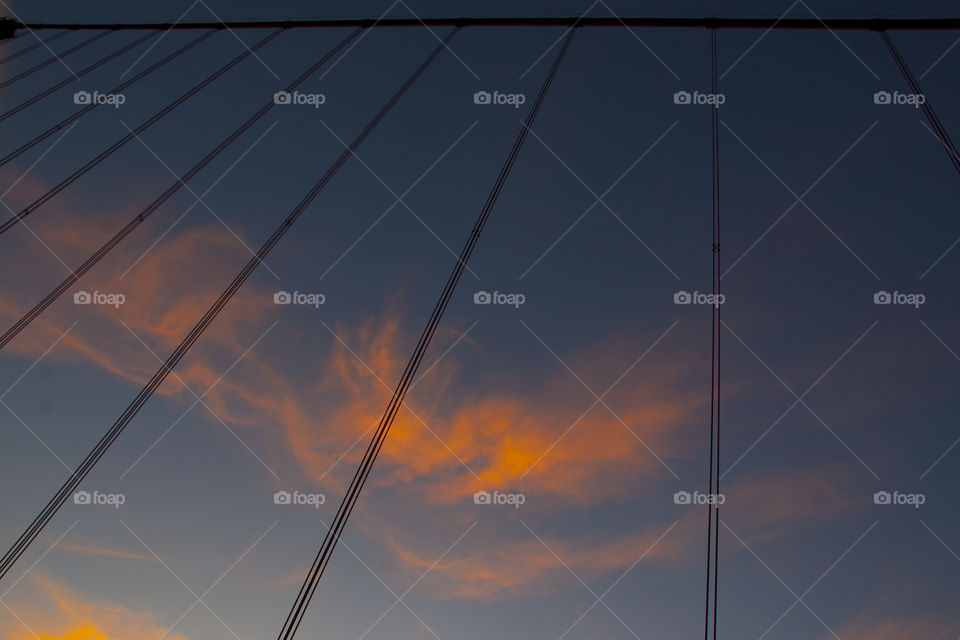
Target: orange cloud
54, 611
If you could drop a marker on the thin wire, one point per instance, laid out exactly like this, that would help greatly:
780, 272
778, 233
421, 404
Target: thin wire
56, 57
35, 45
147, 391
73, 77
938, 127
179, 183
713, 512
13, 155
103, 155
717, 325
309, 586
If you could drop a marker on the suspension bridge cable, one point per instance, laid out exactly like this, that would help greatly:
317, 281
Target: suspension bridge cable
309, 586
35, 45
188, 341
939, 129
16, 153
79, 74
717, 325
103, 155
54, 58
713, 474
179, 183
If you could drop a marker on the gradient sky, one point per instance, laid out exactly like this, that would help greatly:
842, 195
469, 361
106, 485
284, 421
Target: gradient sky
508, 396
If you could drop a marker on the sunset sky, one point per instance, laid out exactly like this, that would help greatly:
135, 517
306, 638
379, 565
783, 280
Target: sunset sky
587, 400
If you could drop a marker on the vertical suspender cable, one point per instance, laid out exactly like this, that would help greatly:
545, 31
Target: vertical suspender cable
713, 474
79, 74
35, 45
717, 325
56, 57
127, 229
190, 339
938, 128
16, 153
309, 586
103, 155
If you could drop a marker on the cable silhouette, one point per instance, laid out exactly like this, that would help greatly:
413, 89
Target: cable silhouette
16, 153
816, 23
56, 57
713, 474
717, 324
35, 45
106, 153
179, 183
309, 586
938, 128
54, 504
79, 74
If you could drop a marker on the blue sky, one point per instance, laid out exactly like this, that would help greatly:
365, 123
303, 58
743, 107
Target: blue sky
827, 198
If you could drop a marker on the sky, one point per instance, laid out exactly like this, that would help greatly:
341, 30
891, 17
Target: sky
579, 396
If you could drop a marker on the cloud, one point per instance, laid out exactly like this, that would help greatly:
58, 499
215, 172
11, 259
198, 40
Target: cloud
89, 550
55, 611
883, 627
